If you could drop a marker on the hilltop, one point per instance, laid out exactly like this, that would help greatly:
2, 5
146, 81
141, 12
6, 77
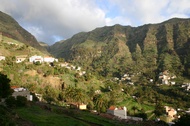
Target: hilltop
10, 28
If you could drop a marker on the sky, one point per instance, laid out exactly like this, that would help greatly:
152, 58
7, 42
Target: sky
54, 20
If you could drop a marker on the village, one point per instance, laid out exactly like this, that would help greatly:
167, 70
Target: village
117, 112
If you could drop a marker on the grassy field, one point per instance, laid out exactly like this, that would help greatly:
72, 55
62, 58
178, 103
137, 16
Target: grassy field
130, 102
11, 47
40, 117
58, 116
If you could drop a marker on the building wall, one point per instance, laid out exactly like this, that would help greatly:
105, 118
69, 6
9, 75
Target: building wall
24, 94
49, 59
82, 107
110, 111
119, 113
35, 59
2, 58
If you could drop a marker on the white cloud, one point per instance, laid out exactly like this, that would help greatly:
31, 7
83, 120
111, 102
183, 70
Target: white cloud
152, 11
179, 9
55, 17
49, 20
117, 20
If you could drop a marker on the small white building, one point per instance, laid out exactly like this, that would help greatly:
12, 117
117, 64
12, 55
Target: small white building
164, 77
35, 59
50, 59
64, 64
151, 80
2, 58
172, 82
78, 68
82, 73
22, 92
21, 58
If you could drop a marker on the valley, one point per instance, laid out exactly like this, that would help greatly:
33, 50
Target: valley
145, 69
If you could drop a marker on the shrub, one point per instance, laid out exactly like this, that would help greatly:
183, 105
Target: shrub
5, 117
5, 86
11, 102
21, 101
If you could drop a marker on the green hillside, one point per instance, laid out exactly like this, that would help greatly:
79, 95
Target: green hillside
115, 50
10, 28
109, 66
11, 47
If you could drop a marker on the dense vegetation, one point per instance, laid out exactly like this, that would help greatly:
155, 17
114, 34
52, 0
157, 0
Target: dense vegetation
115, 50
106, 55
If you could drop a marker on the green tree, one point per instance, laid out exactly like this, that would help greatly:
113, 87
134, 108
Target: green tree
50, 94
101, 102
11, 102
159, 109
75, 95
6, 118
5, 89
21, 101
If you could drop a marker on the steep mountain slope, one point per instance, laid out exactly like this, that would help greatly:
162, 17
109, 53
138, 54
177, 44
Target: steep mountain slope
10, 28
117, 49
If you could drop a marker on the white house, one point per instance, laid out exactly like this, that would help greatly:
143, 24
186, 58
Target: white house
22, 92
164, 77
64, 64
78, 68
172, 82
50, 59
2, 58
35, 59
121, 112
21, 58
82, 73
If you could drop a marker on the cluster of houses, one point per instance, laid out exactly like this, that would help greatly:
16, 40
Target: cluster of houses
11, 43
166, 79
186, 86
121, 113
125, 78
33, 59
72, 67
171, 112
46, 59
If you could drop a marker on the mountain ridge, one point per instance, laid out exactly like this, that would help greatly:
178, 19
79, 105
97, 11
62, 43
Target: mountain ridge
158, 45
10, 27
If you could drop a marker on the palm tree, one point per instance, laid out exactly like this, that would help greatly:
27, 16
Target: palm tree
75, 95
101, 102
91, 93
69, 94
80, 96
